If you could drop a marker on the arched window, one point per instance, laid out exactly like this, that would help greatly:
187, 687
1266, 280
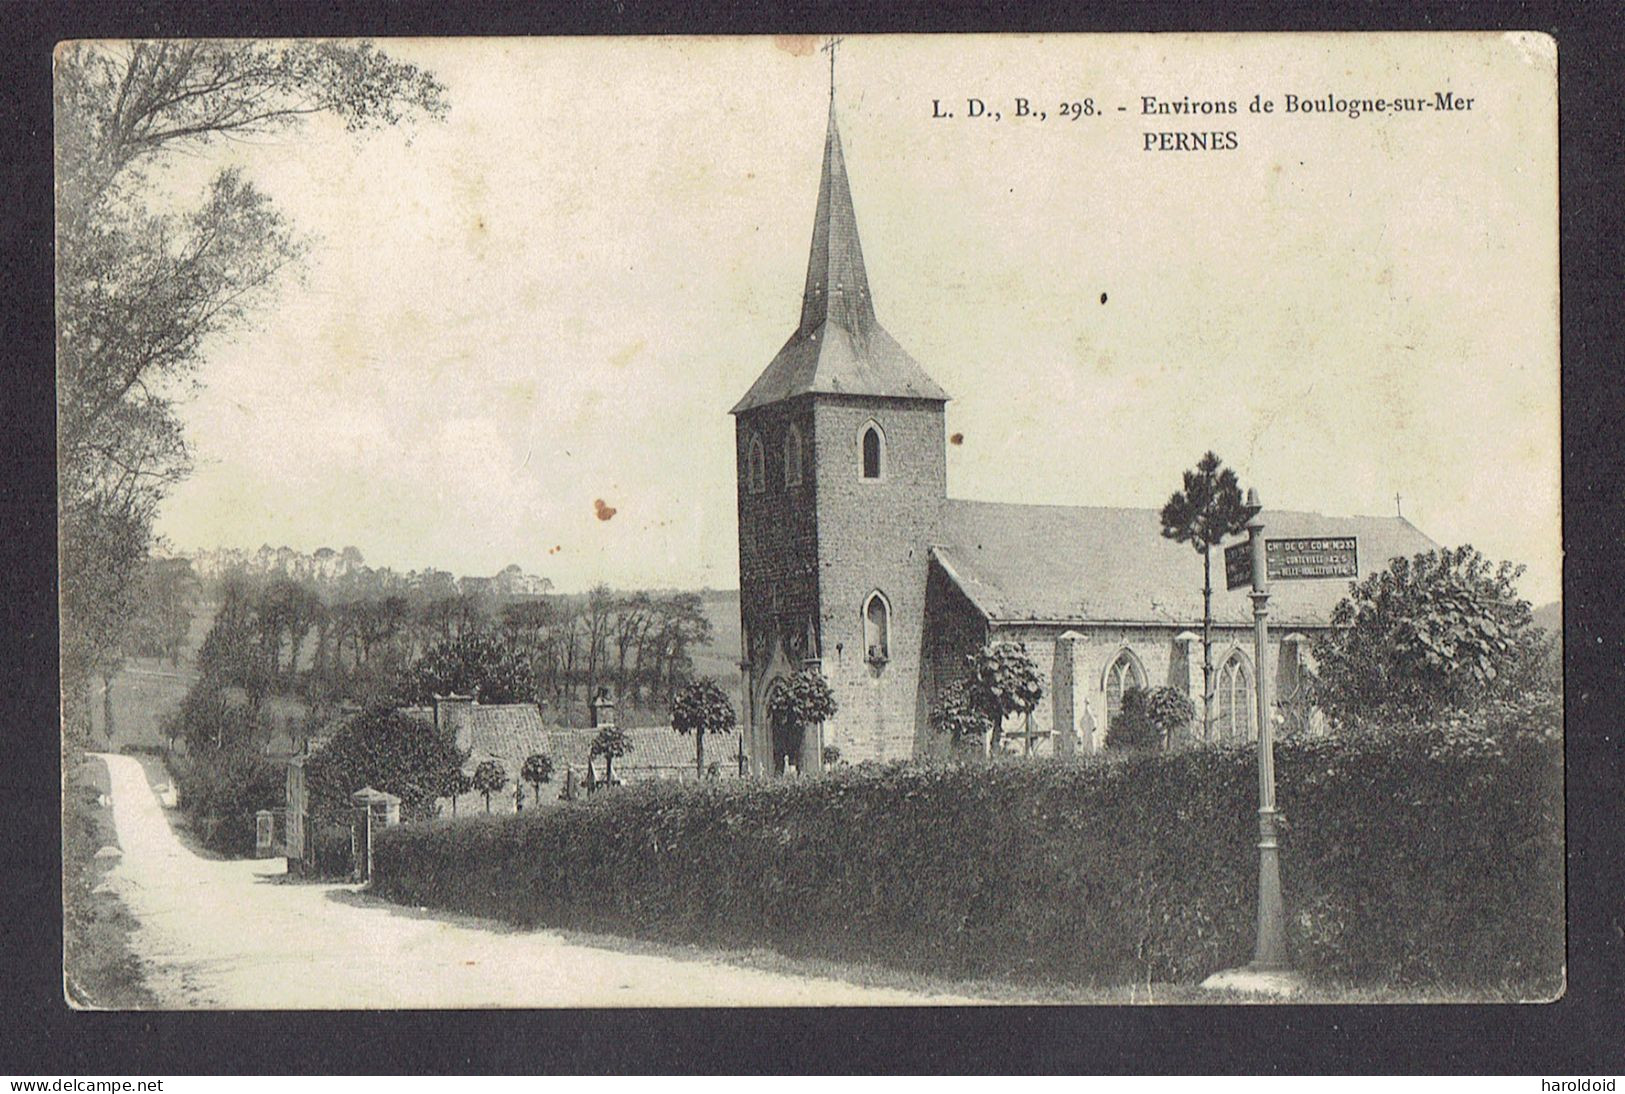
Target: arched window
1121, 675
877, 628
755, 466
792, 457
1233, 700
874, 451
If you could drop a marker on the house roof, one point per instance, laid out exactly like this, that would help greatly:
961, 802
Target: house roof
509, 732
839, 348
654, 748
1064, 564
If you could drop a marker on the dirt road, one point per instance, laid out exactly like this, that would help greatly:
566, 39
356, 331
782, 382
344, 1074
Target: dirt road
237, 934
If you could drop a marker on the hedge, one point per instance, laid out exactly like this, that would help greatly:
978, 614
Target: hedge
1433, 858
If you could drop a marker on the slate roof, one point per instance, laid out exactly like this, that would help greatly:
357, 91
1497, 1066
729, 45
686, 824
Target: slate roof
1079, 565
509, 732
839, 348
654, 748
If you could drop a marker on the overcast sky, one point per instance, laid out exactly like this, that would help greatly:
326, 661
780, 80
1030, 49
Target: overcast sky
555, 295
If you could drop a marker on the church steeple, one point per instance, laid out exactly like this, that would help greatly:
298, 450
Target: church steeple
837, 287
839, 347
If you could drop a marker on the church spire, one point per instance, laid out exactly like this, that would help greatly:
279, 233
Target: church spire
837, 289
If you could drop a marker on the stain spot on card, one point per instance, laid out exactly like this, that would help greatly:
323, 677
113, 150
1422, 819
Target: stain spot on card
957, 438
605, 512
623, 357
796, 45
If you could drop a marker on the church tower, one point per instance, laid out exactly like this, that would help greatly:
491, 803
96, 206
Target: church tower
841, 484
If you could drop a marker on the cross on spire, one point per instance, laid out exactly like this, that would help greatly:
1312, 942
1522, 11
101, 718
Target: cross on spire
829, 48
1397, 511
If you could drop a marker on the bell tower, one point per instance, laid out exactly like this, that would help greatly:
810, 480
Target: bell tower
841, 481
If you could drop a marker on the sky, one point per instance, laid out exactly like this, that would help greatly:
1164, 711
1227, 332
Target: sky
553, 296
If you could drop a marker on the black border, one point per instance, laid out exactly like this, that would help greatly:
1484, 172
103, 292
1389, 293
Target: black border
1577, 1035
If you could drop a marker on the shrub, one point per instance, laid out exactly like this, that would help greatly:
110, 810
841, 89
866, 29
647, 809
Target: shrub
330, 851
1151, 718
701, 707
1421, 859
221, 792
388, 751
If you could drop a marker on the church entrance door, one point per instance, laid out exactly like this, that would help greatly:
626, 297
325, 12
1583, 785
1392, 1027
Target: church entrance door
786, 747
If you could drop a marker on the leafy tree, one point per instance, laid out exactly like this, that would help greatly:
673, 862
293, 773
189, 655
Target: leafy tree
386, 750
1443, 631
702, 707
458, 783
962, 717
999, 680
536, 770
611, 743
1203, 514
140, 293
489, 778
475, 664
802, 700
1150, 718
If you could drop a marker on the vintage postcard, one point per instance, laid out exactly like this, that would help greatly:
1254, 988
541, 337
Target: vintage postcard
623, 522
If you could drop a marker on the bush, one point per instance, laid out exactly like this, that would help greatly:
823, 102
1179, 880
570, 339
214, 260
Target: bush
330, 851
1433, 858
1151, 718
221, 792
388, 751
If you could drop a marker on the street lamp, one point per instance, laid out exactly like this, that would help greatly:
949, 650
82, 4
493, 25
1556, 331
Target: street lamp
1268, 971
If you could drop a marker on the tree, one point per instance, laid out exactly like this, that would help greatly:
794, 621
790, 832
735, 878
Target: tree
475, 664
140, 293
999, 680
611, 743
702, 707
1443, 631
1150, 718
1208, 509
458, 783
489, 778
802, 700
536, 770
386, 750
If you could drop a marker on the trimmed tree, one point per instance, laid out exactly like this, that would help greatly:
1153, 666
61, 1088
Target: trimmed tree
611, 743
702, 707
802, 700
1000, 679
1208, 509
1150, 718
536, 770
489, 778
458, 783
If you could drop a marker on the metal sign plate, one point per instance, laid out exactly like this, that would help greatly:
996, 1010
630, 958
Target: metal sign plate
1311, 559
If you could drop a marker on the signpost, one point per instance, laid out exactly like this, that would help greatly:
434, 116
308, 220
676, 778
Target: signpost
1257, 562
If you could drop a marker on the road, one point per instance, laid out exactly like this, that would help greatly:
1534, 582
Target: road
239, 934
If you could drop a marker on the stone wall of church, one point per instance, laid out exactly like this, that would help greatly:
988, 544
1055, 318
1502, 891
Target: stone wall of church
953, 628
874, 535
778, 556
1169, 655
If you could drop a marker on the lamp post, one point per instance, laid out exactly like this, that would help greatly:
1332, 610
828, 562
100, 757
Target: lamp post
1268, 971
1269, 953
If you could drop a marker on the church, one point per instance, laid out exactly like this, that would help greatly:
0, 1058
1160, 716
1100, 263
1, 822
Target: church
854, 559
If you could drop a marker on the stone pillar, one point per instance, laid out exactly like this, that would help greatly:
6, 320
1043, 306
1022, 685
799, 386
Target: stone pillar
1067, 698
264, 833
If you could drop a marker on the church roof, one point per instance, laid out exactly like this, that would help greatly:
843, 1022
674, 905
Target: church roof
839, 348
1080, 565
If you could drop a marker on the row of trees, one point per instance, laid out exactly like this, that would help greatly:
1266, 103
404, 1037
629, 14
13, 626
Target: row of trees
282, 638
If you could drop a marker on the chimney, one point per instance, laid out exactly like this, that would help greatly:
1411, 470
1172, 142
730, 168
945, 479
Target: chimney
603, 709
454, 716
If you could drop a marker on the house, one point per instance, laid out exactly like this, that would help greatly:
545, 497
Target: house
853, 558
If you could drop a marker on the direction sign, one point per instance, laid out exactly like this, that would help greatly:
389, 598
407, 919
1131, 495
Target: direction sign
1238, 565
1308, 559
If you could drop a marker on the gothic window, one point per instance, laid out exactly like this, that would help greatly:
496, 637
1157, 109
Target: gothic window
877, 627
792, 457
1233, 700
1121, 675
874, 451
755, 466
